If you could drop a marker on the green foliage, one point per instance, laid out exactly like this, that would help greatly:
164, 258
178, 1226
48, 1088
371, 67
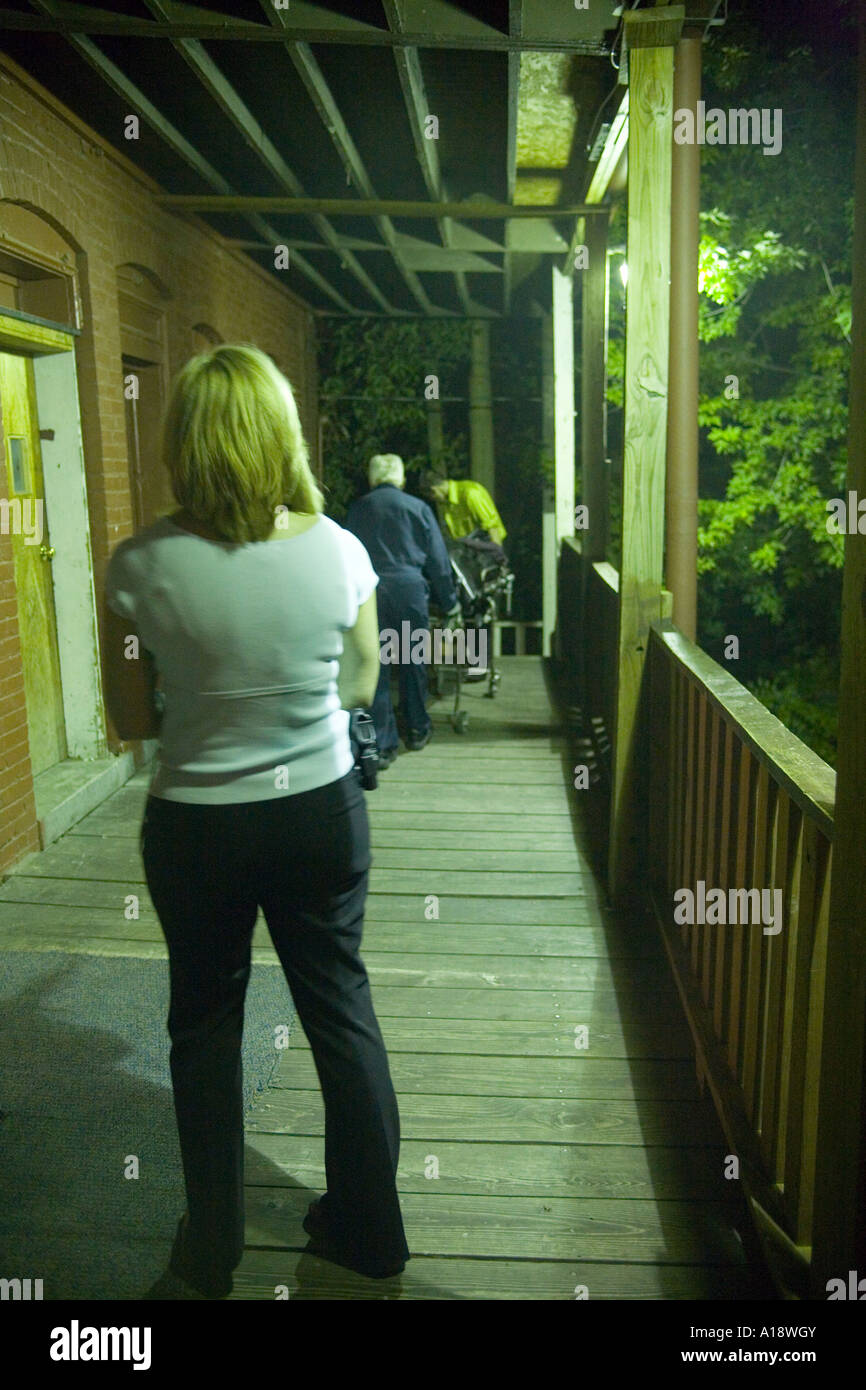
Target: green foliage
385, 363
774, 323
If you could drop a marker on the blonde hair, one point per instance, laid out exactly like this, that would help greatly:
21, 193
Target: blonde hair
386, 468
233, 444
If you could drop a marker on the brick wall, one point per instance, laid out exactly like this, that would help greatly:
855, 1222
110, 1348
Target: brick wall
104, 207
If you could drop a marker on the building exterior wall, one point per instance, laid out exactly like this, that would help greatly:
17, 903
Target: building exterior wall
54, 165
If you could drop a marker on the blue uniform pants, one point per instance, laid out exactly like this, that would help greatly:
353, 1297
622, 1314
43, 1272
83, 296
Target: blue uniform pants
401, 598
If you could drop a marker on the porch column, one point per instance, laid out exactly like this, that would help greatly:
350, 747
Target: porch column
548, 503
649, 36
593, 380
482, 466
681, 560
563, 413
563, 404
839, 1230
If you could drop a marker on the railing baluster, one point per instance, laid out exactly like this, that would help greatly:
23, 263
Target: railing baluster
745, 794
711, 850
754, 945
727, 846
775, 950
688, 879
700, 837
813, 1050
795, 1015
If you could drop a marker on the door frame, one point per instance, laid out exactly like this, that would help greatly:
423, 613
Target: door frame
52, 350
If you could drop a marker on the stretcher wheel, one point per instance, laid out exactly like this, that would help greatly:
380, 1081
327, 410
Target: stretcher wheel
461, 722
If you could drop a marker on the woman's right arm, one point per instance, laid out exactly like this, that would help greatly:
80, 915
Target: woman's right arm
359, 667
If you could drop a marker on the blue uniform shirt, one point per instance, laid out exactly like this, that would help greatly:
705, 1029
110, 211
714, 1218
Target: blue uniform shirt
402, 537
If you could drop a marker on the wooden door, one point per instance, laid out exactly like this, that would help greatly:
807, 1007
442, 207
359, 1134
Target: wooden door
31, 548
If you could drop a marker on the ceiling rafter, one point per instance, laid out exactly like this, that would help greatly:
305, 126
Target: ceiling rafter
235, 109
515, 28
128, 91
69, 18
392, 207
329, 113
417, 109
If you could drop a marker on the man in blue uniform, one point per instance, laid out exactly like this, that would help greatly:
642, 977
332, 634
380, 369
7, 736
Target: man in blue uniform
402, 537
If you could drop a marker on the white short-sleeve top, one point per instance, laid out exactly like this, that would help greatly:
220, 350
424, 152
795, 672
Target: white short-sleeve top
247, 639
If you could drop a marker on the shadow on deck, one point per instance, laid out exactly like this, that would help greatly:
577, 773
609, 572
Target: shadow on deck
537, 1161
555, 1143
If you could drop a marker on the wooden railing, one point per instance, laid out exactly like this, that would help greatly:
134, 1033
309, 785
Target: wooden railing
737, 802
587, 617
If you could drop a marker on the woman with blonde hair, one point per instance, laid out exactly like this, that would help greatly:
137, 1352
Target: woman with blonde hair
248, 603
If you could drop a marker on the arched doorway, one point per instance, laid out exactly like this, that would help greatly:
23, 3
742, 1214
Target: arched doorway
141, 299
38, 317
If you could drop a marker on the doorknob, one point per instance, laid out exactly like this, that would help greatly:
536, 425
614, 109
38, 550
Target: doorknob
47, 552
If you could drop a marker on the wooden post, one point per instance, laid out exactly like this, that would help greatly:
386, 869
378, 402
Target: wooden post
645, 425
481, 466
681, 557
593, 379
839, 1223
563, 419
563, 403
435, 435
548, 519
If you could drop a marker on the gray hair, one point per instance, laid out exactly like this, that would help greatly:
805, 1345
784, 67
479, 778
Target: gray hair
386, 468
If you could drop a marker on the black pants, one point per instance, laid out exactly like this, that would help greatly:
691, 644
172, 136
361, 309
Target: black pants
402, 598
305, 860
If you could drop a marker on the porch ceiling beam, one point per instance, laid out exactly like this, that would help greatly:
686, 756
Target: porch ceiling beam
515, 29
613, 150
417, 109
366, 207
139, 103
235, 109
68, 19
329, 113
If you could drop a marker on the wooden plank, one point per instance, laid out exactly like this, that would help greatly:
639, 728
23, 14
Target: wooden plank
407, 938
458, 1074
305, 1277
389, 835
621, 1171
644, 428
540, 1038
507, 1119
509, 972
395, 907
557, 1228
599, 1009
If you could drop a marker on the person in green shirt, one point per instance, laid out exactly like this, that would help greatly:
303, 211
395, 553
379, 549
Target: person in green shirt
464, 506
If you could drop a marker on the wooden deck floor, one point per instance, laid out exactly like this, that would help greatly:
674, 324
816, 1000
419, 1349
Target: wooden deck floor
530, 1168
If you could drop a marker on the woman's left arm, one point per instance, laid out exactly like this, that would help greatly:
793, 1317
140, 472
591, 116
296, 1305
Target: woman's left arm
129, 679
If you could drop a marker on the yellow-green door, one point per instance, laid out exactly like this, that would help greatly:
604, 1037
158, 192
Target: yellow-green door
27, 524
